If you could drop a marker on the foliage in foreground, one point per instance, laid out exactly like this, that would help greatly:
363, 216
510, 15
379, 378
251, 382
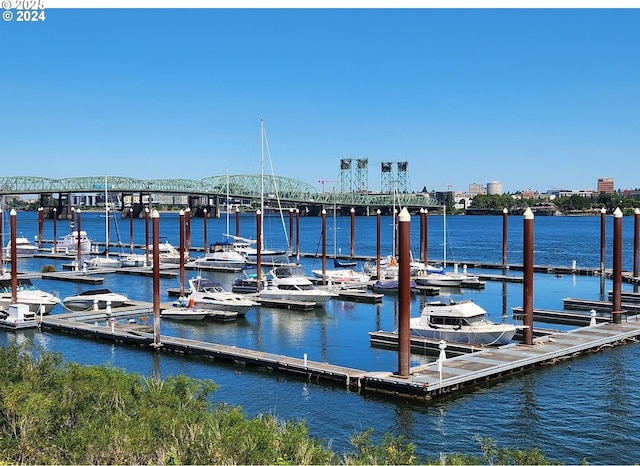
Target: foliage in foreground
55, 413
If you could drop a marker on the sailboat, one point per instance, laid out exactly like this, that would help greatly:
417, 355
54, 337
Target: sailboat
248, 247
343, 272
438, 276
105, 261
222, 253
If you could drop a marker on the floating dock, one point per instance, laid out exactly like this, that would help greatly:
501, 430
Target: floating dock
424, 382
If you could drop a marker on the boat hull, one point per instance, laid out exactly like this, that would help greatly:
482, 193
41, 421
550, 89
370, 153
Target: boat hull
500, 335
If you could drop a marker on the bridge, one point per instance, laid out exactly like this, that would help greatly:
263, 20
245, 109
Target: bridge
211, 192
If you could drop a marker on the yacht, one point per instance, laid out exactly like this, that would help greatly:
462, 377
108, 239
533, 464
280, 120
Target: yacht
221, 254
27, 293
460, 322
288, 282
168, 254
209, 294
24, 248
69, 243
84, 301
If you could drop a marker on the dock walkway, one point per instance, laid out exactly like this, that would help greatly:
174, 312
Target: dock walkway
425, 381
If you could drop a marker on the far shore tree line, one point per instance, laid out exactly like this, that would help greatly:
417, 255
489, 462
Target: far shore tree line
494, 204
486, 204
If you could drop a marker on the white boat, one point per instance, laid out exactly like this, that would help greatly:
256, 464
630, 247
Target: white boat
68, 244
133, 260
460, 322
101, 262
24, 248
288, 282
167, 253
221, 254
211, 295
27, 293
180, 312
442, 278
343, 276
84, 301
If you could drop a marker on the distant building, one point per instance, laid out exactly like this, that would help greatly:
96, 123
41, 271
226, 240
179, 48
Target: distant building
494, 187
477, 188
529, 194
605, 185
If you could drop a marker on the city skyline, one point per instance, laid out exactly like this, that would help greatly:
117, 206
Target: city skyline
537, 99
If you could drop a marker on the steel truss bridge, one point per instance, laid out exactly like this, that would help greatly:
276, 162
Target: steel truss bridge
210, 191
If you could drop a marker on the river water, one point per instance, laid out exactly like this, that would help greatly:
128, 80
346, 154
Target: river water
582, 408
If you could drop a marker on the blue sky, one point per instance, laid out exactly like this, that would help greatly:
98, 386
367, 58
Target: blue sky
533, 98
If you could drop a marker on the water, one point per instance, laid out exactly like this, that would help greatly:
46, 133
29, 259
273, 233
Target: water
580, 408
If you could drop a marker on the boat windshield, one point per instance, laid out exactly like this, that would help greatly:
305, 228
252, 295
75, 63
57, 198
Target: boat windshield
474, 320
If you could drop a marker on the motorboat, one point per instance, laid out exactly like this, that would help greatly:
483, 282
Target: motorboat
248, 283
69, 243
182, 311
460, 322
167, 253
288, 282
102, 297
390, 285
211, 295
343, 274
101, 262
221, 254
24, 248
439, 278
133, 260
27, 293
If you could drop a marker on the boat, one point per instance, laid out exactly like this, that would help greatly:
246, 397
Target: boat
221, 254
267, 256
104, 261
101, 262
438, 278
211, 295
68, 244
390, 285
460, 322
168, 253
133, 260
182, 311
343, 275
84, 301
27, 293
343, 271
248, 283
288, 282
24, 248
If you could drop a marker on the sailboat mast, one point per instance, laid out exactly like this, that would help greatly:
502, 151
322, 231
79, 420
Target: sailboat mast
106, 218
227, 202
261, 182
444, 230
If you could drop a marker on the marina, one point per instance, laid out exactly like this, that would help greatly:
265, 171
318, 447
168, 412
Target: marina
338, 349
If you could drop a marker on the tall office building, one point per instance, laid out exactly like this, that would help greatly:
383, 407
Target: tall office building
605, 185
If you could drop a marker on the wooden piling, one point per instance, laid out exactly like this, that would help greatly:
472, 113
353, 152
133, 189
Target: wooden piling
79, 252
378, 244
237, 221
14, 257
187, 228
527, 299
205, 239
505, 216
182, 227
353, 232
404, 292
55, 230
131, 243
617, 267
603, 238
258, 250
324, 246
636, 242
156, 277
146, 236
40, 226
